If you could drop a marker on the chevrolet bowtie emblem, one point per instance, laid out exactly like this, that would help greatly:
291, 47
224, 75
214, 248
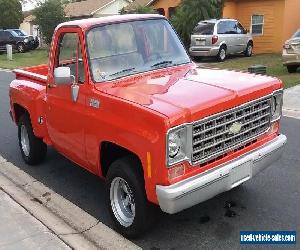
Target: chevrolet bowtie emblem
235, 128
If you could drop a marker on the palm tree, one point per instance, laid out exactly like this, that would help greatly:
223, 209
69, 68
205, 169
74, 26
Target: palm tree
190, 12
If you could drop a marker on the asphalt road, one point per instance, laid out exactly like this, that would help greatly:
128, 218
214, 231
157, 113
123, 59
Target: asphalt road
271, 201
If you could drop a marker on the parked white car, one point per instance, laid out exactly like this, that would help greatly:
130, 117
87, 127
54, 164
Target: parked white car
219, 38
291, 53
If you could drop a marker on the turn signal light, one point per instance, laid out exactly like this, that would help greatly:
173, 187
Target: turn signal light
214, 39
287, 46
176, 172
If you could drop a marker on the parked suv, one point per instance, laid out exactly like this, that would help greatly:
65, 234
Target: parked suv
21, 43
291, 53
219, 38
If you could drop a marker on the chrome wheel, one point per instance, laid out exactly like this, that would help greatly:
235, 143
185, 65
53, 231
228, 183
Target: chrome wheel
25, 141
222, 54
122, 201
249, 50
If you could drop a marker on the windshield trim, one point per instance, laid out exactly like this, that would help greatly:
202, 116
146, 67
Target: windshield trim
143, 72
91, 77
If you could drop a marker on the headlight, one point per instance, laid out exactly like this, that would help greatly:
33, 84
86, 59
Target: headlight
26, 40
177, 145
174, 145
276, 105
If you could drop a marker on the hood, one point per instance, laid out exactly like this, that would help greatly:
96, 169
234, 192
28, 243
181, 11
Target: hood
294, 40
186, 94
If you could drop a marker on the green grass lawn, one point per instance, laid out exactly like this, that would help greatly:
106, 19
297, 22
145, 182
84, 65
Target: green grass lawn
271, 61
20, 60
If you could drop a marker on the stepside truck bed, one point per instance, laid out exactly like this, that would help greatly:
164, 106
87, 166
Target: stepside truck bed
36, 73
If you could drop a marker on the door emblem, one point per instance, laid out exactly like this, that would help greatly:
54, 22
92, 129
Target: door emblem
235, 128
94, 103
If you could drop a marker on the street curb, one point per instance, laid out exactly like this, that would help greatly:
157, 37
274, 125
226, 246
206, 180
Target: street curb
6, 70
71, 224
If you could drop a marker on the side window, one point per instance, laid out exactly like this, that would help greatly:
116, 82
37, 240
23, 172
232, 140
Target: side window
227, 27
240, 29
257, 24
222, 28
70, 55
7, 35
232, 27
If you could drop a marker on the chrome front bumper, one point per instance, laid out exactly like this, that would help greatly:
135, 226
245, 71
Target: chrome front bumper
199, 188
290, 59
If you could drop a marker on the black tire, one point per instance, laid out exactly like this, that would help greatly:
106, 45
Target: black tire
222, 54
129, 169
21, 47
249, 50
37, 150
292, 68
197, 58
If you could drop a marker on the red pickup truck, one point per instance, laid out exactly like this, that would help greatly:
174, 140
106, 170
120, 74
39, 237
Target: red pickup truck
121, 98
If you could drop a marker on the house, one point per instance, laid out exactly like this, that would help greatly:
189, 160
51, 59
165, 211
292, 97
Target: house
163, 7
271, 22
94, 8
28, 26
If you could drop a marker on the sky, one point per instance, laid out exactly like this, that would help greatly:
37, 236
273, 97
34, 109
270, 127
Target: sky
28, 6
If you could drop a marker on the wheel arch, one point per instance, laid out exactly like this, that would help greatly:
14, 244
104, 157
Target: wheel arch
19, 110
109, 152
223, 44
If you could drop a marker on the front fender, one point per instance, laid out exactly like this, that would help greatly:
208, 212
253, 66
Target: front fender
133, 127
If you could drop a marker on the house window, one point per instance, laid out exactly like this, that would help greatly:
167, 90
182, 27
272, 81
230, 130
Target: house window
172, 11
257, 24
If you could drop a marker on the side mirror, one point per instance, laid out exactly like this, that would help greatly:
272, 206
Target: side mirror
62, 76
246, 31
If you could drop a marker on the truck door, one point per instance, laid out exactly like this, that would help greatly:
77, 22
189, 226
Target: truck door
65, 117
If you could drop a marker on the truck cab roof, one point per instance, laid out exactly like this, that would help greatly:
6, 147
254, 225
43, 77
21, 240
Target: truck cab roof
90, 22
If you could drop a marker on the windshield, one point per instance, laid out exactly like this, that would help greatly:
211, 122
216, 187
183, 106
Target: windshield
20, 33
122, 49
297, 34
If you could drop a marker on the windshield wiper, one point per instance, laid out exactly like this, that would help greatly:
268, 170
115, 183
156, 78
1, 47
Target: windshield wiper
122, 71
162, 63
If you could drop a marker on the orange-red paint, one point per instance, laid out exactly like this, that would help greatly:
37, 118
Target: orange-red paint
135, 112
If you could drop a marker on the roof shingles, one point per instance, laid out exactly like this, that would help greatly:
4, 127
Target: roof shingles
84, 8
137, 3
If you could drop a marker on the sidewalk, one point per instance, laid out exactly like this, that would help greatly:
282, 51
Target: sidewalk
32, 216
20, 230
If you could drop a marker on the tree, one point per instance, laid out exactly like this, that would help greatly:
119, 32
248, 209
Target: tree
190, 12
48, 15
11, 14
139, 10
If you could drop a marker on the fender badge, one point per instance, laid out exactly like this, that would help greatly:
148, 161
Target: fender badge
94, 103
235, 128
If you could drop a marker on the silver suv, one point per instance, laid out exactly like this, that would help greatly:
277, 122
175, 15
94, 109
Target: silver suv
219, 38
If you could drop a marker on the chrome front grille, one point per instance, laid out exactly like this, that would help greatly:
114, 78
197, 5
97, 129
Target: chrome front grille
229, 130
